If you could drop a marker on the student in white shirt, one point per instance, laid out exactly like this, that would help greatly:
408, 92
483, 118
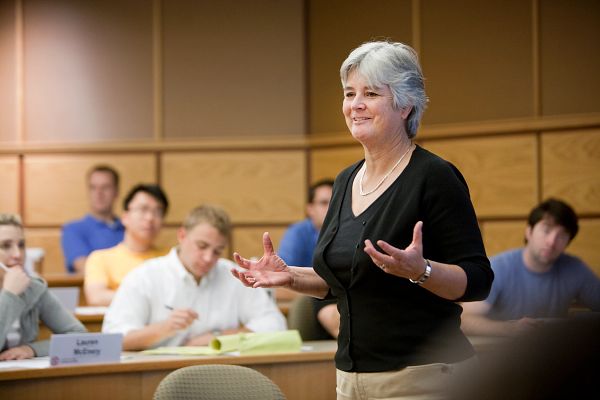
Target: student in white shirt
188, 297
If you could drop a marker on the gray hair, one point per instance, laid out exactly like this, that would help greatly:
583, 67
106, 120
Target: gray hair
11, 219
395, 65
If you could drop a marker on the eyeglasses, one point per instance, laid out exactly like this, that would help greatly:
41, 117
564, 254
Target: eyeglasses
141, 211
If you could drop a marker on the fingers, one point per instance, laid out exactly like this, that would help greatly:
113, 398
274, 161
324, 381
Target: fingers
247, 279
418, 235
267, 244
241, 261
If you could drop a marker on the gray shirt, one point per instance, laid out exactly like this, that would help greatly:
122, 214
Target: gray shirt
34, 304
518, 292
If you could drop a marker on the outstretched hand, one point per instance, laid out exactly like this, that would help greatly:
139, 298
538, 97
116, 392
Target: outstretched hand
407, 263
269, 271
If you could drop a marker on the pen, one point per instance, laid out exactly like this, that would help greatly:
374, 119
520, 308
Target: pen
168, 307
4, 267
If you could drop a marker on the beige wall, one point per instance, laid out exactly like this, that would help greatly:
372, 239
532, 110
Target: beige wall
239, 103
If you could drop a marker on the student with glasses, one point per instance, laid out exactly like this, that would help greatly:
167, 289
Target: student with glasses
144, 209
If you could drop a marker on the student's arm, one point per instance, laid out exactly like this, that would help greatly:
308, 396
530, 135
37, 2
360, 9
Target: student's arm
475, 322
58, 319
95, 283
206, 338
329, 318
79, 264
74, 247
98, 294
148, 336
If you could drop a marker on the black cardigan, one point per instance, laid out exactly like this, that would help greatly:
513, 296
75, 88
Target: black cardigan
387, 322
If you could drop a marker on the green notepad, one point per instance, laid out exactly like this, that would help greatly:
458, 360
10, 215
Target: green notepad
259, 342
245, 343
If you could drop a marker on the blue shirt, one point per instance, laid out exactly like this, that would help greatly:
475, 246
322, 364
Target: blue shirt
518, 292
298, 244
79, 238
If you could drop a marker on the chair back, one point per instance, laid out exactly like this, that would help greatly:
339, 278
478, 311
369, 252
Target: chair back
217, 382
301, 316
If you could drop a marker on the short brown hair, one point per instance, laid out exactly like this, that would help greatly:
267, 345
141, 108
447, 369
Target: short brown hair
107, 169
210, 214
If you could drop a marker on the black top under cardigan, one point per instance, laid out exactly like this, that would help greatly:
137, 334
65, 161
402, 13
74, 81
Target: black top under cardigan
387, 322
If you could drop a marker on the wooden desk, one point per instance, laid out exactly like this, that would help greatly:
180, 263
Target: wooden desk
305, 375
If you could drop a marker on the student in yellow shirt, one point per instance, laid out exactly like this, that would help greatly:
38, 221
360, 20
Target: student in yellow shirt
144, 209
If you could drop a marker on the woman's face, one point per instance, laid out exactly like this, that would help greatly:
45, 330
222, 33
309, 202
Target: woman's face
369, 112
12, 246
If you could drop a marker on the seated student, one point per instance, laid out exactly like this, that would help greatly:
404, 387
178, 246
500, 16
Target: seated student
297, 247
144, 208
188, 296
24, 300
100, 228
535, 282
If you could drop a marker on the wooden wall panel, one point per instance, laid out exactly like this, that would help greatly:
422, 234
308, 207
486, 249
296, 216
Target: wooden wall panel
570, 56
49, 240
500, 171
248, 240
88, 70
473, 68
571, 168
499, 236
9, 176
167, 237
253, 186
8, 73
335, 28
55, 185
329, 162
585, 244
233, 68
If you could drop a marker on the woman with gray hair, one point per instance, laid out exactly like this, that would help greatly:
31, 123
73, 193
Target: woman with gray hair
400, 245
25, 300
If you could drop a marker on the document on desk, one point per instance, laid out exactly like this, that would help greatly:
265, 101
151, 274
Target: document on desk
183, 351
38, 362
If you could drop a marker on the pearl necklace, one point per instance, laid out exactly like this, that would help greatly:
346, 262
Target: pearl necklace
360, 181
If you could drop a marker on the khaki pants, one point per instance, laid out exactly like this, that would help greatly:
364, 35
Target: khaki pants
421, 382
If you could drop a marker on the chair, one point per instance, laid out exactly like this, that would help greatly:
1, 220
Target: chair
212, 382
301, 317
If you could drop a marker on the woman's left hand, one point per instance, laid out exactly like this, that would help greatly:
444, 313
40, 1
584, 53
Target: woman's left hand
17, 353
408, 263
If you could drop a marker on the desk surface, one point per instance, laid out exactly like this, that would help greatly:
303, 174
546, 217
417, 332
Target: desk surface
305, 375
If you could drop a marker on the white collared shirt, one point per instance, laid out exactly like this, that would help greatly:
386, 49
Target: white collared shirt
220, 300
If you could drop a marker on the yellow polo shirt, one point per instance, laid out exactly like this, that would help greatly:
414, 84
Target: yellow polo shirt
109, 266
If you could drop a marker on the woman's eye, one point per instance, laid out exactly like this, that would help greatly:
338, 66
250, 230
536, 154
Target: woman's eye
371, 94
348, 94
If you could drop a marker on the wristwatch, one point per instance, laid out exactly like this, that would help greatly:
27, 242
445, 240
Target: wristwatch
421, 279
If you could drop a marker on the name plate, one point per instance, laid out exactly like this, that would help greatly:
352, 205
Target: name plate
85, 348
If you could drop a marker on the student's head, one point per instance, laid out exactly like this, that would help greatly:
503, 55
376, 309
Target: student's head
12, 241
319, 195
551, 226
144, 209
103, 188
203, 238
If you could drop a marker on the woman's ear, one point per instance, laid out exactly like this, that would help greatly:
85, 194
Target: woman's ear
405, 112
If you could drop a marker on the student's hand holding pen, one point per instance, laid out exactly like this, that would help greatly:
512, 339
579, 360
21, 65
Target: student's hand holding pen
180, 319
15, 280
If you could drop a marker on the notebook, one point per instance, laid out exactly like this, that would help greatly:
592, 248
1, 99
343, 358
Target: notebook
68, 296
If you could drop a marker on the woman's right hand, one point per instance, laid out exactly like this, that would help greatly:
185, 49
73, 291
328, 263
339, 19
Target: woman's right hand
15, 280
269, 271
